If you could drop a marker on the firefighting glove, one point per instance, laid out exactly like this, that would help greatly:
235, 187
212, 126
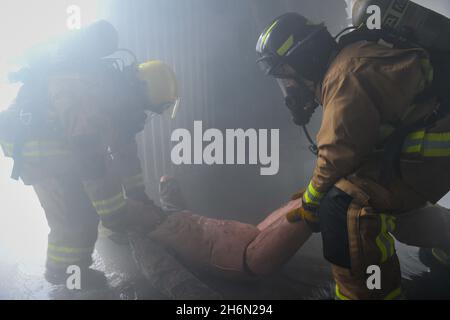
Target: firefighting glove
305, 213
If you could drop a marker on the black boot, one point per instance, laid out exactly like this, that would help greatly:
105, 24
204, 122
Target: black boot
433, 284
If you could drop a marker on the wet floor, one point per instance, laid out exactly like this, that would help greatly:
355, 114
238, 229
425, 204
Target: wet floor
306, 276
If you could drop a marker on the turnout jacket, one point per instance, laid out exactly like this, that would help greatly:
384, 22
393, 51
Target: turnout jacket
368, 91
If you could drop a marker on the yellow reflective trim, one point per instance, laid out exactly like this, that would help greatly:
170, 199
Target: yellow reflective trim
105, 212
109, 201
382, 248
62, 259
386, 252
387, 220
35, 143
392, 224
436, 152
339, 295
439, 137
35, 149
286, 46
413, 149
308, 200
428, 70
314, 192
391, 296
418, 135
394, 294
69, 249
38, 154
264, 39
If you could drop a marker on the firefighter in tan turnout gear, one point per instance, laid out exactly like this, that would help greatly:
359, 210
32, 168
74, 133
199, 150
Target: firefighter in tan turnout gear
71, 132
383, 148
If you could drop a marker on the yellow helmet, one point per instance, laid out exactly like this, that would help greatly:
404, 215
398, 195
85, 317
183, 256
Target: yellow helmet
161, 86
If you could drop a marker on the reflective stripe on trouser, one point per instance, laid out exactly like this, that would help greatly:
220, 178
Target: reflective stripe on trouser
370, 245
72, 220
394, 295
59, 256
108, 200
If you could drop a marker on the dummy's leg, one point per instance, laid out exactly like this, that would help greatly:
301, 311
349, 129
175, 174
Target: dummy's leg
231, 248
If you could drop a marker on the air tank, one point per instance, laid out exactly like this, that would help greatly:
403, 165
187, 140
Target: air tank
418, 24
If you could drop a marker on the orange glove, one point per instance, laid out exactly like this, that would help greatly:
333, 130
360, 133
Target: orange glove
303, 214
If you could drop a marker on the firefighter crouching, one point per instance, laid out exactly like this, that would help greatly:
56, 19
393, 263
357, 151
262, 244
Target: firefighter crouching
383, 146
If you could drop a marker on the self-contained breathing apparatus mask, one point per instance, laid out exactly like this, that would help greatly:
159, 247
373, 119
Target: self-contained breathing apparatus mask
296, 53
301, 102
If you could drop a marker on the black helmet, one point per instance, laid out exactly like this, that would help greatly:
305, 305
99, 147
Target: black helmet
294, 40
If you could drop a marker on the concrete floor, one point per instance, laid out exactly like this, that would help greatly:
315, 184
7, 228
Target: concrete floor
306, 276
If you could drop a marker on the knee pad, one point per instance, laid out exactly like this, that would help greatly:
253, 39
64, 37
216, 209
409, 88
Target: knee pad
333, 222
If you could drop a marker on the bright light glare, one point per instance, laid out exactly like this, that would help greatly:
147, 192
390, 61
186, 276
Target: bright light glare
25, 23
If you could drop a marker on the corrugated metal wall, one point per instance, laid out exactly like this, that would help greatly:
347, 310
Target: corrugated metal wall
211, 45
